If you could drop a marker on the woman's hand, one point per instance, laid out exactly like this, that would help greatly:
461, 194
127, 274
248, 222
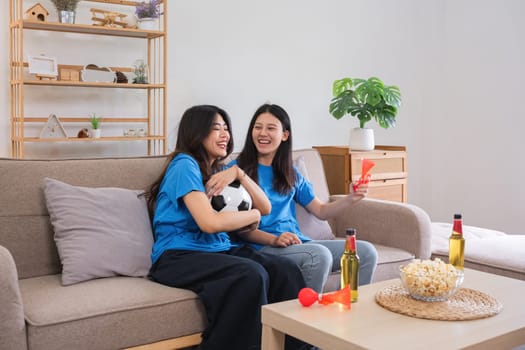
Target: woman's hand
220, 180
358, 193
286, 239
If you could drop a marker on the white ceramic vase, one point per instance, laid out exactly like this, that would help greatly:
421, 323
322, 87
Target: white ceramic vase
148, 23
362, 139
96, 133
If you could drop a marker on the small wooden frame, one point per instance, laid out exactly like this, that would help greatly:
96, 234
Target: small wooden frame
37, 12
109, 18
43, 67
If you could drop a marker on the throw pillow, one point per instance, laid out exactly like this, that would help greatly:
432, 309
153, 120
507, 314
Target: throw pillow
310, 225
99, 232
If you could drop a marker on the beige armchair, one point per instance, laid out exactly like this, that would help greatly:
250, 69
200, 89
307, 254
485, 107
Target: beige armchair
400, 232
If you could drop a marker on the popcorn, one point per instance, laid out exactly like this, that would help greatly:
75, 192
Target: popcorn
430, 278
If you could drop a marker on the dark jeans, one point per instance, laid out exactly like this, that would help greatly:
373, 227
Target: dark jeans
232, 285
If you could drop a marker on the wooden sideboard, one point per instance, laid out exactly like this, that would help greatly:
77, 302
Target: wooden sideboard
389, 175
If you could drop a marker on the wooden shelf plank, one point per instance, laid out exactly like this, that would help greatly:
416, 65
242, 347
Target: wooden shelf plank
88, 139
91, 29
97, 85
84, 120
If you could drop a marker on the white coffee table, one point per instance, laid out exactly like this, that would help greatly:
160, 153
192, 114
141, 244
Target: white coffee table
369, 326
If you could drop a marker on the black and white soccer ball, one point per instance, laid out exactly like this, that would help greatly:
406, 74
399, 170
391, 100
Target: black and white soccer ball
233, 197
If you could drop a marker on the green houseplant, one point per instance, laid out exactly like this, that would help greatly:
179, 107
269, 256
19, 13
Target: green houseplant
95, 125
365, 99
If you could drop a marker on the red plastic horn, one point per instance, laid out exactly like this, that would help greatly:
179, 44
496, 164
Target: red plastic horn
308, 296
366, 165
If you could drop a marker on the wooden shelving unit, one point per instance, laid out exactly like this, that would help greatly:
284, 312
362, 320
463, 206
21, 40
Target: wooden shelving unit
156, 90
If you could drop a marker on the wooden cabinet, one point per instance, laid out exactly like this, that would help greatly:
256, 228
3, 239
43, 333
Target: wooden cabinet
389, 175
152, 124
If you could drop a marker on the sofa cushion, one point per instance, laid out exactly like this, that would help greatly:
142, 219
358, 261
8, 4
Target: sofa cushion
99, 232
485, 249
310, 225
107, 313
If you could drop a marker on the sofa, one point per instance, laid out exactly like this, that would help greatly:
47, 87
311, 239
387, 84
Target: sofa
40, 309
486, 250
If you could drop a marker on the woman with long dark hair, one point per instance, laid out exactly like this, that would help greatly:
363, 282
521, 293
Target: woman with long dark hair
267, 158
192, 249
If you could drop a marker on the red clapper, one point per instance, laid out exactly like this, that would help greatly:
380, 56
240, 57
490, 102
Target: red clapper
308, 296
366, 165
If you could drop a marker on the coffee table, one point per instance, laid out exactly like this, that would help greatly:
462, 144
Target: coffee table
369, 326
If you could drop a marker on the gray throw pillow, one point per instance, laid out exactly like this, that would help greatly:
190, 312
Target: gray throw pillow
310, 225
99, 232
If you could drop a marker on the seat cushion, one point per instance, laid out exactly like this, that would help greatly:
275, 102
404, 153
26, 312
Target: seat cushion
486, 250
113, 313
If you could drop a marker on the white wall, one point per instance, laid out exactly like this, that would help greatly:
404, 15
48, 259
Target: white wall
458, 64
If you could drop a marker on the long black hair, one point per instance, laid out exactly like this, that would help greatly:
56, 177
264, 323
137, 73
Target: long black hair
194, 126
284, 175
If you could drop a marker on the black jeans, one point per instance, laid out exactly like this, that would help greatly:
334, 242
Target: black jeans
232, 285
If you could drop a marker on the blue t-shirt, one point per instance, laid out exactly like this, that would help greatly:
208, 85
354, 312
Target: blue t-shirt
173, 224
283, 217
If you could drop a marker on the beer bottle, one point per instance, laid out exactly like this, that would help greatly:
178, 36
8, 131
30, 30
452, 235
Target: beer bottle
456, 248
350, 264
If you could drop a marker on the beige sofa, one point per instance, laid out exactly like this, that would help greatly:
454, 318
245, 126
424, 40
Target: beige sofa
38, 312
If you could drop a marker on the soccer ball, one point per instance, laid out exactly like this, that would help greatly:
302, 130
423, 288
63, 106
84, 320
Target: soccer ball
233, 197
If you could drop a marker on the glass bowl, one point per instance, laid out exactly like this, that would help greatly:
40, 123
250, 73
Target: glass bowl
430, 280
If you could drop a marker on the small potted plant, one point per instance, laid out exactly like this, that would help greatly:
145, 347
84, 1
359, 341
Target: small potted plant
95, 126
66, 10
366, 100
147, 13
141, 72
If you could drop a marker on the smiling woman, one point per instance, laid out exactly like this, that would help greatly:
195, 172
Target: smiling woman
192, 248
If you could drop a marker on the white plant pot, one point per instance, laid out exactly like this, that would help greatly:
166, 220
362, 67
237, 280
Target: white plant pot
96, 133
362, 139
148, 23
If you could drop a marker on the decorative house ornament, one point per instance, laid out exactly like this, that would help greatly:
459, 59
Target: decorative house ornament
43, 67
37, 12
53, 128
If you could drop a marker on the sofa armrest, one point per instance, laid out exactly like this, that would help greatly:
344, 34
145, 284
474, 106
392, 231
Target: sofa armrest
392, 224
12, 323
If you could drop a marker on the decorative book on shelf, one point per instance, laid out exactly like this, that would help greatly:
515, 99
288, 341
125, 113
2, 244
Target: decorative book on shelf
53, 128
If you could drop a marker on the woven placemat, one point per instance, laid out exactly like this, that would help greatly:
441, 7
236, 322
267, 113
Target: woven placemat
465, 304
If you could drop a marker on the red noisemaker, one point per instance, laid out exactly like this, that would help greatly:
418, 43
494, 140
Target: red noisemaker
308, 296
366, 165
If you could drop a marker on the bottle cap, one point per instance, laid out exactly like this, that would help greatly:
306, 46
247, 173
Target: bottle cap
350, 231
457, 216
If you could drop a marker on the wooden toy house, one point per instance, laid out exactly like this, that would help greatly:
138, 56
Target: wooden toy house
37, 12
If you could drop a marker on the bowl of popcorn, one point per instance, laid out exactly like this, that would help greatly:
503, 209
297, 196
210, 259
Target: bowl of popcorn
430, 280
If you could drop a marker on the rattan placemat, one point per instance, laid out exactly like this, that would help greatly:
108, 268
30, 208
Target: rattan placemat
465, 304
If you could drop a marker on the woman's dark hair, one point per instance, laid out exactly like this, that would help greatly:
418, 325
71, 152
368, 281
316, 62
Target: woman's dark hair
284, 175
194, 126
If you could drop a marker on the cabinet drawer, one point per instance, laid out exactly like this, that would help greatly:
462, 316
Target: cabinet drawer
388, 164
391, 190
